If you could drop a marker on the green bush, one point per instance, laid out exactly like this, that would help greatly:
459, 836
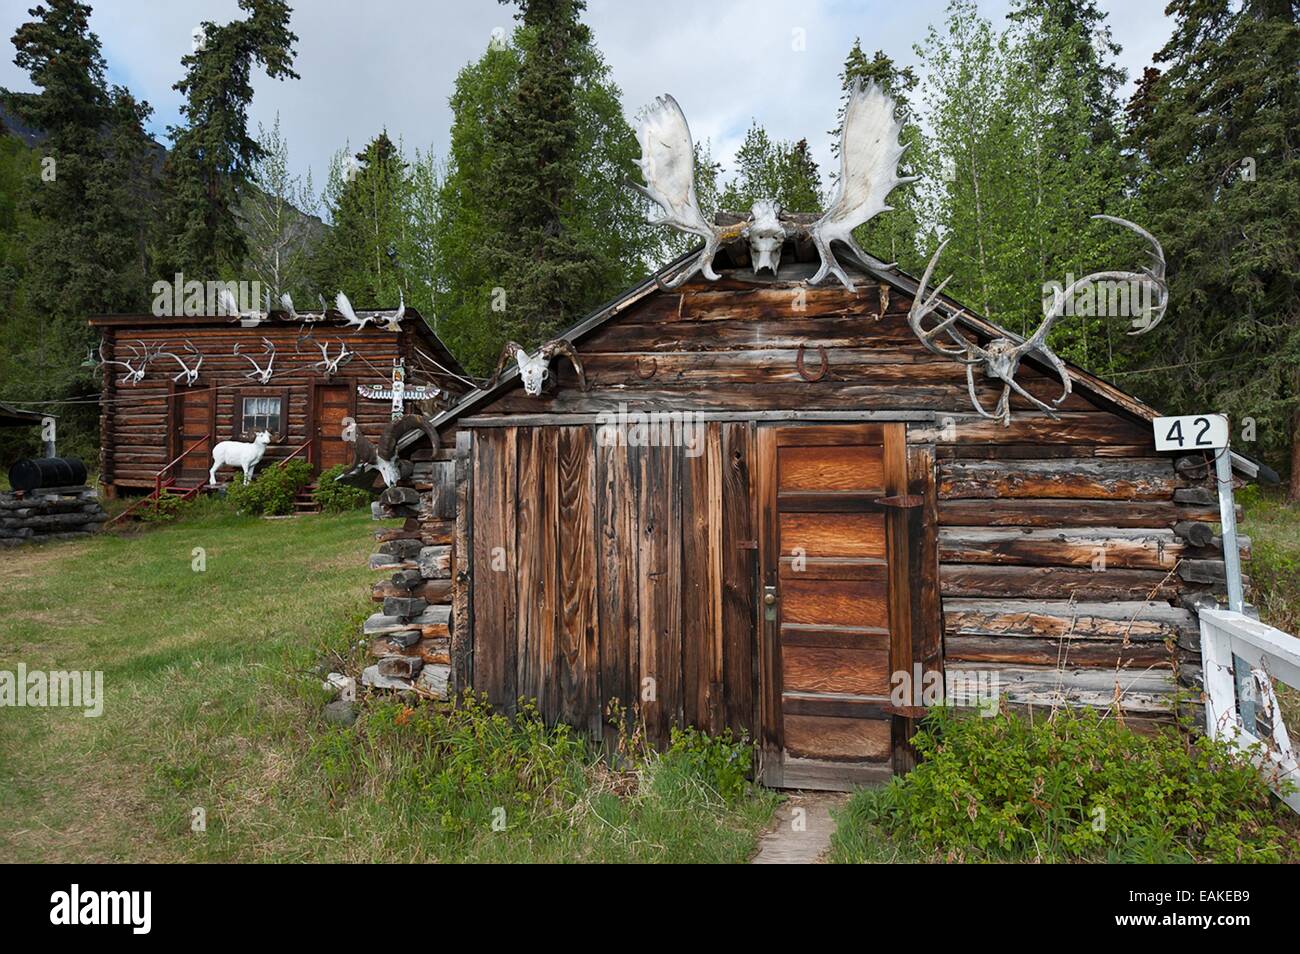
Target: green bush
334, 497
272, 489
1075, 786
720, 762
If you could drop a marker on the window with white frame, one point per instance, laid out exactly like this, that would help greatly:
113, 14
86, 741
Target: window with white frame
261, 414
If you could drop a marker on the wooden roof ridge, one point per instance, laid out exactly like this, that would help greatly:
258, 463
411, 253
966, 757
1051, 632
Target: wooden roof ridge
896, 278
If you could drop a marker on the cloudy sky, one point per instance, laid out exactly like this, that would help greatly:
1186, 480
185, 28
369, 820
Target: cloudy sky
391, 64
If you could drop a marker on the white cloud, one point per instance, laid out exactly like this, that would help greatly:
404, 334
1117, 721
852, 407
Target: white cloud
392, 63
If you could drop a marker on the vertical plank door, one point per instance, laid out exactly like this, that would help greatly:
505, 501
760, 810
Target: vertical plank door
831, 609
193, 421
333, 402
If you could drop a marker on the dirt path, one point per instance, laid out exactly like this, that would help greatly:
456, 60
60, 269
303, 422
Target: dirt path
801, 830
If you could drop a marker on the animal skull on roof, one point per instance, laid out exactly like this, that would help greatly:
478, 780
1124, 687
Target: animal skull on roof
535, 369
869, 156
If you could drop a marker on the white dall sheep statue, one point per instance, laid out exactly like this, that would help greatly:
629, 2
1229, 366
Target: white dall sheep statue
239, 454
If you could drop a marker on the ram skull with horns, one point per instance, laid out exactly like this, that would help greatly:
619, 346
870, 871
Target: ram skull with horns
369, 457
869, 156
535, 369
1001, 356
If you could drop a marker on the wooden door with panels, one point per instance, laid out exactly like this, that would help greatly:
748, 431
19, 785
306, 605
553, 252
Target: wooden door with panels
193, 423
839, 537
331, 403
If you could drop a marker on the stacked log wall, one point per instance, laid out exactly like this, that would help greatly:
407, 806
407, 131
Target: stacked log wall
410, 633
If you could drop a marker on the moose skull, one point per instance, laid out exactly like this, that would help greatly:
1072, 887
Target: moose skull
766, 234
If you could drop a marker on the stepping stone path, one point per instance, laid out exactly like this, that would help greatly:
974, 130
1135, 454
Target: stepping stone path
801, 830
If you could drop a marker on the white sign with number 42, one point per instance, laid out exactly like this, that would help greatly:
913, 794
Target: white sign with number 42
1191, 432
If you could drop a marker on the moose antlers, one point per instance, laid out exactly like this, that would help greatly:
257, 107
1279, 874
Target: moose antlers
668, 164
869, 156
1001, 357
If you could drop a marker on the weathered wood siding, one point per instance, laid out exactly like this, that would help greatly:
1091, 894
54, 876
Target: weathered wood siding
603, 573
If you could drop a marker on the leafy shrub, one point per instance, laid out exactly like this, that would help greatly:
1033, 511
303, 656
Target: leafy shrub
1073, 786
333, 497
272, 489
720, 762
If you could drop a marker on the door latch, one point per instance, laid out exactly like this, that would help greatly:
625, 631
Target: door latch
769, 603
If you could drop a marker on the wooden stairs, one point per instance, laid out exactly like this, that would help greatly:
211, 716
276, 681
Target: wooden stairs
305, 501
167, 491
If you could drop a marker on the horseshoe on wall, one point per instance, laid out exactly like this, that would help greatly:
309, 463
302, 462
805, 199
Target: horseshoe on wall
654, 368
803, 370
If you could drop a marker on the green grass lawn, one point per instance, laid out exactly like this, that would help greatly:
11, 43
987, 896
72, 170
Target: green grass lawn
212, 703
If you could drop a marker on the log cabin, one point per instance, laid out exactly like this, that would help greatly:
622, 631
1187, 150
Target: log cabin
174, 387
751, 500
823, 528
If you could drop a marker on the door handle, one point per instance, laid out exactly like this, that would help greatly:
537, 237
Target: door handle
769, 603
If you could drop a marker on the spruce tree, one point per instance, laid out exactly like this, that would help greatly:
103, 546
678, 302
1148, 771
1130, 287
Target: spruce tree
772, 169
488, 274
366, 198
549, 278
83, 215
1219, 129
213, 153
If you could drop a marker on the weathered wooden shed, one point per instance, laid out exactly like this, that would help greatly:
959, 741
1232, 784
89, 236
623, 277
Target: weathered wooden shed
772, 507
158, 419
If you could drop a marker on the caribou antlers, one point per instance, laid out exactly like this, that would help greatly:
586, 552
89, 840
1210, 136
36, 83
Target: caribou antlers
534, 370
191, 375
259, 374
140, 353
331, 366
1001, 357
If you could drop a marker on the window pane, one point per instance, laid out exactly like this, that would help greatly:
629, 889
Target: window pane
261, 414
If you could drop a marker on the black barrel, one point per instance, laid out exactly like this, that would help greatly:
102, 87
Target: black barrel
47, 472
